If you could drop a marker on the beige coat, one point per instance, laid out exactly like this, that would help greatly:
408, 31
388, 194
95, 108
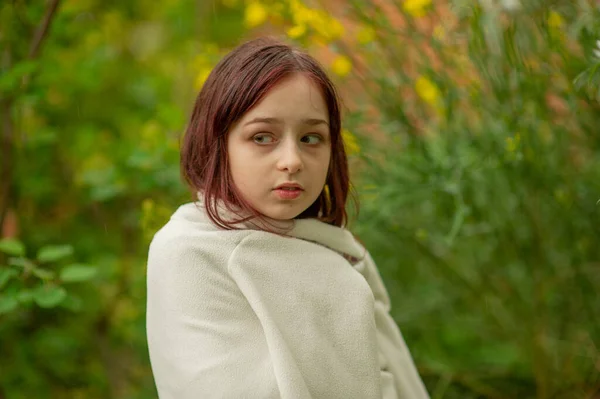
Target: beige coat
252, 314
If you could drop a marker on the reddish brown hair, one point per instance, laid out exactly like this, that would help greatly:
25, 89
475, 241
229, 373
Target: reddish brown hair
236, 84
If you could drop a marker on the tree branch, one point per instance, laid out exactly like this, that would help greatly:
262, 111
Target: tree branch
42, 29
7, 139
7, 148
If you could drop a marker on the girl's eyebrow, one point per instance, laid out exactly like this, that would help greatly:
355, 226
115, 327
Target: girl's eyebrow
276, 121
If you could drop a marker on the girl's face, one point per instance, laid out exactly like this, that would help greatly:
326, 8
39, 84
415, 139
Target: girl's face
283, 140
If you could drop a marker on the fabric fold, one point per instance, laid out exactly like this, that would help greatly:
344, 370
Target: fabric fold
248, 313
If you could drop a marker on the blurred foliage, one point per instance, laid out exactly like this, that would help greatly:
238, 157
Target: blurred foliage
473, 134
480, 196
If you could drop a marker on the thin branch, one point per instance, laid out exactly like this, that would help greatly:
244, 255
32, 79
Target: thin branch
7, 140
42, 29
6, 148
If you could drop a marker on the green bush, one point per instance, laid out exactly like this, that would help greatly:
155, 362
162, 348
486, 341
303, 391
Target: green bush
480, 201
475, 152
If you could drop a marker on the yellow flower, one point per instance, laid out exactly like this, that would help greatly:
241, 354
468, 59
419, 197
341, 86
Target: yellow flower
302, 14
255, 14
150, 131
512, 143
296, 31
147, 206
350, 142
427, 90
365, 34
555, 20
327, 27
201, 77
341, 65
439, 33
331, 29
416, 8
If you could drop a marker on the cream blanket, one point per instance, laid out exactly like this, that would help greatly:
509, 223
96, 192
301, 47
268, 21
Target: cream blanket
251, 314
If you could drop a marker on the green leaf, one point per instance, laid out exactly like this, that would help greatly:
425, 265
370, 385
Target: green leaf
12, 78
53, 253
12, 246
5, 275
49, 296
8, 304
21, 262
73, 303
25, 296
43, 273
77, 272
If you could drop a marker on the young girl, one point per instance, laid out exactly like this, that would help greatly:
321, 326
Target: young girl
256, 289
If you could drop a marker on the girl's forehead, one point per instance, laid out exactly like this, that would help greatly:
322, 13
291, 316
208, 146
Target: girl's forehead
294, 97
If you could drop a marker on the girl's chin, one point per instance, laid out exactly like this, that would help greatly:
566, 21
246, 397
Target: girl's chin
282, 212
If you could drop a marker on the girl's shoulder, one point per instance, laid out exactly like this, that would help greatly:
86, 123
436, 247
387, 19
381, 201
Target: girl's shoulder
190, 231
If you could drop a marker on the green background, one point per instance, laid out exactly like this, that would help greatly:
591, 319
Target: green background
474, 134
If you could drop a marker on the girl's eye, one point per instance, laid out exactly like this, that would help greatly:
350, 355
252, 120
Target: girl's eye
262, 139
312, 139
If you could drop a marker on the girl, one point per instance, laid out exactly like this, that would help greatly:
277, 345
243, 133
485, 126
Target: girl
256, 289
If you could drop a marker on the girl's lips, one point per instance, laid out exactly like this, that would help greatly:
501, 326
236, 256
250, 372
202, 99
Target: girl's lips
288, 194
289, 185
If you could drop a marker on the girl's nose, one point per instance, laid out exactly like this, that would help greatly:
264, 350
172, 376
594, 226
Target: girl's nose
290, 159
